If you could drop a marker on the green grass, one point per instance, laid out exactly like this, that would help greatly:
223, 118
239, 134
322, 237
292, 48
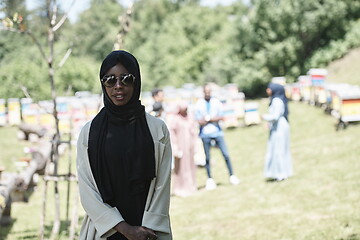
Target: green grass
11, 149
321, 200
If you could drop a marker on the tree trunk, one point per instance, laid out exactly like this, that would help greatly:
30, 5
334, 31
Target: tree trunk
6, 187
37, 164
43, 215
75, 217
52, 13
28, 129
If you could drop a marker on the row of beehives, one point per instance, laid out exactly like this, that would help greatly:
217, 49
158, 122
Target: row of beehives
72, 112
341, 100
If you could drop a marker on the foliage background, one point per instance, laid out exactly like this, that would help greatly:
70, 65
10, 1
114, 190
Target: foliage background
181, 41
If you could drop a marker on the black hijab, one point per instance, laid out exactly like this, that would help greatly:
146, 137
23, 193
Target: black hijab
131, 139
278, 91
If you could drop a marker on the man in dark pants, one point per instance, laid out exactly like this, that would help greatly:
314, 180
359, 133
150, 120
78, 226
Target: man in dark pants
208, 114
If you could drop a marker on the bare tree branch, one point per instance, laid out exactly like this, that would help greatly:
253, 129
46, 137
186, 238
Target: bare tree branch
25, 91
66, 56
124, 21
63, 19
54, 15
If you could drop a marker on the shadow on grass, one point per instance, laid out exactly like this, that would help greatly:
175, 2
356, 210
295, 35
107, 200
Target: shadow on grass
24, 196
6, 228
64, 229
27, 234
7, 223
353, 236
203, 187
34, 233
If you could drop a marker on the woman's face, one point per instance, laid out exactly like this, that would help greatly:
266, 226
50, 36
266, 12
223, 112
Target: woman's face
269, 91
119, 94
183, 110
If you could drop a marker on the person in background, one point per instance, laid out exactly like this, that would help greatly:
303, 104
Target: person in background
183, 141
278, 163
124, 161
158, 108
208, 114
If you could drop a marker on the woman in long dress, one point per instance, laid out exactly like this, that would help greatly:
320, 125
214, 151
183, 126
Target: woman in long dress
183, 139
278, 163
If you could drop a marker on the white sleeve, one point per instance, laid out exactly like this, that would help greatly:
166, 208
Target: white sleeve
276, 110
156, 216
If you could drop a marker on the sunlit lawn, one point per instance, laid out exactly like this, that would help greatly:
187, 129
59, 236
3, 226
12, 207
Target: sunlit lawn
321, 200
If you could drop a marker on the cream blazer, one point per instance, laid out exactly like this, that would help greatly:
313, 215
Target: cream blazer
100, 218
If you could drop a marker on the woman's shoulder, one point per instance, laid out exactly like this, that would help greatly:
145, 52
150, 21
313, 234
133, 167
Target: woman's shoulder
157, 127
86, 126
152, 120
84, 133
277, 101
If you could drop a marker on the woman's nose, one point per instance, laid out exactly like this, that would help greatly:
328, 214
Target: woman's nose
118, 84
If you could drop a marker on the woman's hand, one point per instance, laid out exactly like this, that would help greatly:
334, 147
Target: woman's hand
135, 232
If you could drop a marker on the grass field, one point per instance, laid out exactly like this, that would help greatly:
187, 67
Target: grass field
321, 200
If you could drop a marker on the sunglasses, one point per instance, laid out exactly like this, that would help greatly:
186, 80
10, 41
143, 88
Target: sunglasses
110, 80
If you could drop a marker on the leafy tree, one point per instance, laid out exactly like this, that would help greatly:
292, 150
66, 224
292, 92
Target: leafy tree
13, 9
78, 74
287, 33
10, 7
22, 70
95, 33
179, 46
10, 42
337, 48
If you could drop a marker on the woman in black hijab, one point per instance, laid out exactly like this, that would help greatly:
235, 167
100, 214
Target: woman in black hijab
124, 161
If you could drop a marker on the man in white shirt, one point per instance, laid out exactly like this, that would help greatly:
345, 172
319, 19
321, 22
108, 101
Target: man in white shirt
208, 113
